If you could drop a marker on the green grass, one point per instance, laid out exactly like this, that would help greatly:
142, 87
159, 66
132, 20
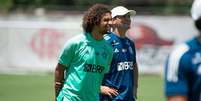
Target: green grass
40, 88
150, 88
26, 88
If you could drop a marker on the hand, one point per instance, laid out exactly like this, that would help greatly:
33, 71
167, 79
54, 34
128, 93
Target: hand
58, 86
109, 91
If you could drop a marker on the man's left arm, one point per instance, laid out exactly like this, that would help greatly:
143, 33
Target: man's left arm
136, 75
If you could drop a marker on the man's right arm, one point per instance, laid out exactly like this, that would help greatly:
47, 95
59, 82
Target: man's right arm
105, 90
176, 85
59, 77
177, 98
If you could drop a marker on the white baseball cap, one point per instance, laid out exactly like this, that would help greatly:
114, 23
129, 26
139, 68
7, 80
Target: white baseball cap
196, 10
120, 10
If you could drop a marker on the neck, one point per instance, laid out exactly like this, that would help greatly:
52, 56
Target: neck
96, 34
120, 32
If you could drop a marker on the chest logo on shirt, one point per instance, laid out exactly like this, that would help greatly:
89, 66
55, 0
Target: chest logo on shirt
124, 66
114, 43
93, 68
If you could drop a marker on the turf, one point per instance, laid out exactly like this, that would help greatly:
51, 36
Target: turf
150, 88
40, 88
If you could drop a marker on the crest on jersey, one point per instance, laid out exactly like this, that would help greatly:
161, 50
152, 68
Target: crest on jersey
114, 43
104, 54
116, 50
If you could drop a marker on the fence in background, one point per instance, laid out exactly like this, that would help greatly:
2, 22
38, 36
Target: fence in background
32, 44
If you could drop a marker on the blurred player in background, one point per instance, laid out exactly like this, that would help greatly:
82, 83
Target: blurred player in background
120, 84
183, 68
85, 59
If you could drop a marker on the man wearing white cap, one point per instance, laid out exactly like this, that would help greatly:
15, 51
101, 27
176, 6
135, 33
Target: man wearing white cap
120, 84
183, 68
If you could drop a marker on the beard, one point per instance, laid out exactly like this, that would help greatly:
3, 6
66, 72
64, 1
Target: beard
104, 31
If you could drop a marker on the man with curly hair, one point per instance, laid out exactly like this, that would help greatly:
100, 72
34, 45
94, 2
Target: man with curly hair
85, 59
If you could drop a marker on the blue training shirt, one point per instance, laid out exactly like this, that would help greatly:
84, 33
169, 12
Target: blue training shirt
121, 75
183, 71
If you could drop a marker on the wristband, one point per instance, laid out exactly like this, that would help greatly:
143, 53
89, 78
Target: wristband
58, 83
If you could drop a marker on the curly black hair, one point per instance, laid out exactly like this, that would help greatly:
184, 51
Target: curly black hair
93, 16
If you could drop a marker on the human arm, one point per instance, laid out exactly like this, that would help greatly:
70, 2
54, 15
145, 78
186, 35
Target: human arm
105, 90
176, 72
64, 61
177, 98
136, 75
59, 77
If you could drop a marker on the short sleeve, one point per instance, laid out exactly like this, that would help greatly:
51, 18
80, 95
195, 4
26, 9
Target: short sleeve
176, 72
66, 54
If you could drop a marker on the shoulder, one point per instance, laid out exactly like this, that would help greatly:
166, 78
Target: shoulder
109, 36
178, 52
177, 59
184, 48
77, 38
74, 41
108, 46
180, 49
194, 44
130, 41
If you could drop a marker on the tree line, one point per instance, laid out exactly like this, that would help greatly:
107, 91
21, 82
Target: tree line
142, 6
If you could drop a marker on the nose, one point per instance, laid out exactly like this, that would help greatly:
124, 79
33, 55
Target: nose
110, 22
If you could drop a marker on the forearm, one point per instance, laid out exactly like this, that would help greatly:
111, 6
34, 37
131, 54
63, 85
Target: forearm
136, 75
177, 98
59, 77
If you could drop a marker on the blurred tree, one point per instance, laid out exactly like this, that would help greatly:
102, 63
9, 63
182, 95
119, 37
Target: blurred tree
178, 6
58, 4
5, 5
83, 4
118, 2
147, 6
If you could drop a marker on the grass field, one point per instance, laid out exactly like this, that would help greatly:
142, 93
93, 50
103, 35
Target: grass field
40, 88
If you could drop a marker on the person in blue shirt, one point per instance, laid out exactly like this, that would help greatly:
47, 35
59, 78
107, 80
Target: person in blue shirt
183, 68
120, 84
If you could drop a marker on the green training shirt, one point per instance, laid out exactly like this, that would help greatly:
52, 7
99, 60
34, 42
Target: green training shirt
86, 61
